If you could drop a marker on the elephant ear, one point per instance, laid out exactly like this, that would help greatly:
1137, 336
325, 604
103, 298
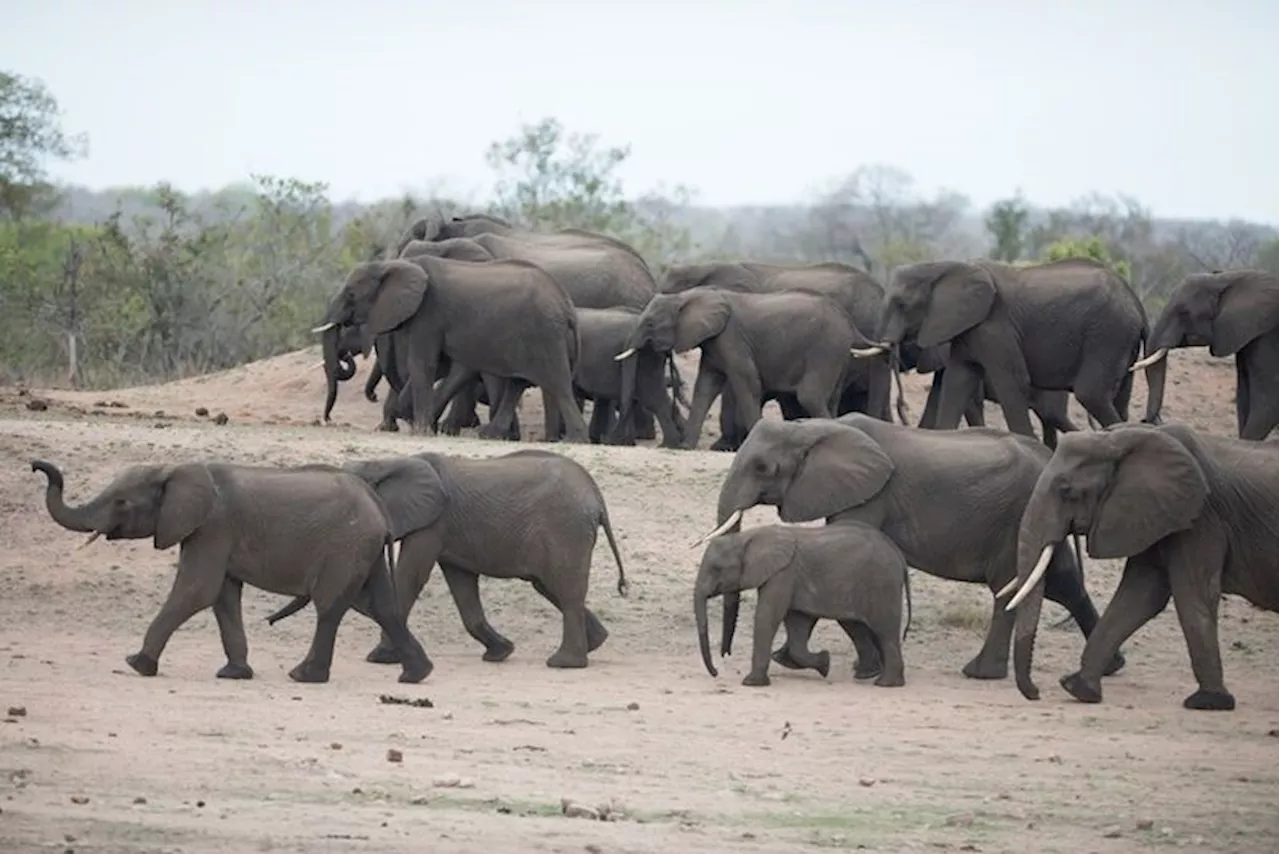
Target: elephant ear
769, 550
186, 501
410, 489
841, 467
398, 295
961, 299
1156, 489
1246, 310
703, 316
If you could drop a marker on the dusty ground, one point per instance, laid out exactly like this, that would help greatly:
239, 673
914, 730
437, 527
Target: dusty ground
104, 760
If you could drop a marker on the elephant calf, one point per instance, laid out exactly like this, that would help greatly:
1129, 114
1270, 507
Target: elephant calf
312, 530
803, 572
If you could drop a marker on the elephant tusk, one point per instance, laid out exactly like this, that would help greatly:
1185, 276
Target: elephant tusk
1151, 359
325, 327
734, 518
1037, 572
1008, 588
867, 352
625, 354
89, 541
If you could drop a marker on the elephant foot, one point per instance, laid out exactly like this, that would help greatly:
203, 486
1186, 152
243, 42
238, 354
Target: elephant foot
490, 432
1080, 688
890, 681
1028, 689
309, 671
562, 659
1115, 666
451, 429
235, 671
1210, 701
723, 444
412, 674
143, 664
783, 657
383, 655
384, 427
672, 444
980, 668
597, 634
755, 680
499, 652
866, 670
822, 663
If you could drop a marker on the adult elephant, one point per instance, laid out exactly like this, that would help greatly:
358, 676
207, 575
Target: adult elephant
1071, 325
857, 293
1193, 515
950, 500
435, 227
530, 514
795, 342
508, 319
1232, 312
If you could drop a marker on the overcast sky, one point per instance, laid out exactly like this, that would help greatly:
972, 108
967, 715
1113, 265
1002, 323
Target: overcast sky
1173, 101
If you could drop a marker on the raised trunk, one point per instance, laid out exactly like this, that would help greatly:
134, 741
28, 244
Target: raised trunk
1042, 525
84, 519
704, 640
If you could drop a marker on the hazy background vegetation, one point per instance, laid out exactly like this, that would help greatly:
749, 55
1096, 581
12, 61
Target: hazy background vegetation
144, 284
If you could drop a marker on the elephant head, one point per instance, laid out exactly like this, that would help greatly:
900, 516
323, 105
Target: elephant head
809, 469
167, 503
731, 564
674, 323
1223, 311
423, 228
934, 302
340, 345
1124, 488
378, 295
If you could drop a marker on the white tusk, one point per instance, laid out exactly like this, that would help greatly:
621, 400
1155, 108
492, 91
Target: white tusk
734, 518
1037, 572
87, 542
1007, 589
1151, 359
325, 328
867, 352
625, 354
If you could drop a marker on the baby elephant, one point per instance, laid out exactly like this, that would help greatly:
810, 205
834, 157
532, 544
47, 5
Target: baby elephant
848, 572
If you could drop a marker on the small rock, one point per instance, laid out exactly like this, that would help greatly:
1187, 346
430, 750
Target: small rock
139, 800
1111, 833
447, 781
962, 820
592, 848
633, 707
35, 404
866, 782
335, 745
199, 804
420, 801
17, 711
394, 755
221, 418
79, 800
201, 411
1273, 732
576, 810
1145, 824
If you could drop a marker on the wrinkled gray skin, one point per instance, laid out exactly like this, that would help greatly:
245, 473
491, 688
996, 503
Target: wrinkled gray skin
754, 343
315, 531
340, 347
1071, 325
597, 271
802, 575
867, 385
950, 500
530, 514
504, 318
1232, 313
1193, 514
615, 387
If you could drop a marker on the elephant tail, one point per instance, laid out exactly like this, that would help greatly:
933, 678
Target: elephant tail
906, 586
623, 587
293, 606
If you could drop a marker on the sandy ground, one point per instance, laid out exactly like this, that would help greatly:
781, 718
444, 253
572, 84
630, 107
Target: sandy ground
96, 758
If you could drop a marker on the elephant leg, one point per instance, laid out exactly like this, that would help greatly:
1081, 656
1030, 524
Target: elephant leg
959, 384
558, 399
1256, 384
653, 397
771, 608
462, 411
598, 429
643, 424
748, 399
1195, 581
992, 661
888, 644
315, 667
1014, 397
197, 585
792, 405
812, 398
417, 558
870, 662
465, 588
1142, 594
1064, 584
500, 422
706, 387
731, 434
371, 384
799, 625
929, 417
392, 408
975, 413
568, 597
385, 610
1095, 388
421, 385
458, 379
230, 617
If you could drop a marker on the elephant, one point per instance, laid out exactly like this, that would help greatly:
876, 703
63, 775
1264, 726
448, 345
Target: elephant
504, 318
860, 295
530, 514
802, 575
1193, 515
613, 385
795, 342
457, 248
949, 500
1233, 312
315, 531
1070, 325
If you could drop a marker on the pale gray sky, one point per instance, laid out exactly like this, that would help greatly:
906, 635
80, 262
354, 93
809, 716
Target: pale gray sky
1173, 101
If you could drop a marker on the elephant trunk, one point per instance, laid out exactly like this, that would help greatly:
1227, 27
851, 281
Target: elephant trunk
1164, 337
338, 367
700, 596
628, 392
1042, 533
1155, 374
86, 518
